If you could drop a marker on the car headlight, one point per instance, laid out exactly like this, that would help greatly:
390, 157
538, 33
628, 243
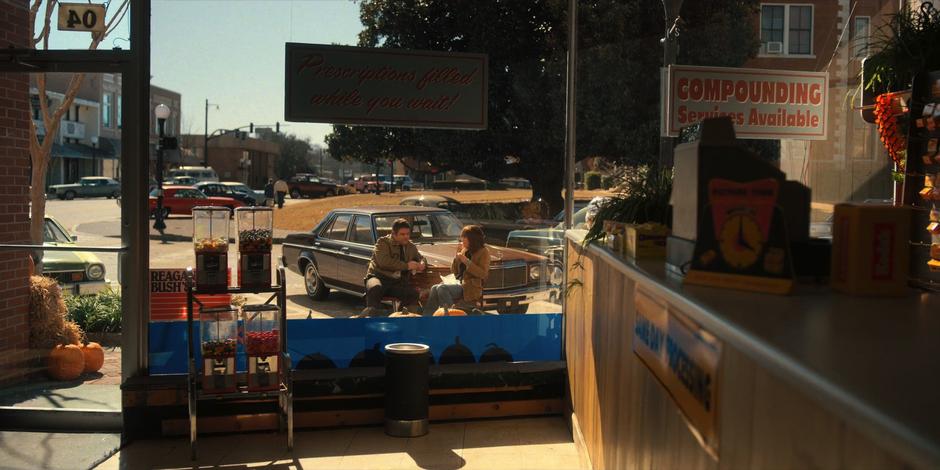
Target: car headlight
535, 272
95, 272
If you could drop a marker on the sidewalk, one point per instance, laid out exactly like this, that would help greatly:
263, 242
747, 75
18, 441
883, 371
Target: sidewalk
529, 443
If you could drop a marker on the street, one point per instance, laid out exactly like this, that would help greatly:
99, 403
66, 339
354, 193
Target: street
96, 222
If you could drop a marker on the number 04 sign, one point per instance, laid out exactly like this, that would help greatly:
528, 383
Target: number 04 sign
81, 17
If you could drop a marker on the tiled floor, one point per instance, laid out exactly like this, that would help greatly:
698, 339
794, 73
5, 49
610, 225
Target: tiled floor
529, 443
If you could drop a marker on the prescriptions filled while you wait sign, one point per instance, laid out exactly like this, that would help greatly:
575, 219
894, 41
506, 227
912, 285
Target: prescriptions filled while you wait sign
763, 104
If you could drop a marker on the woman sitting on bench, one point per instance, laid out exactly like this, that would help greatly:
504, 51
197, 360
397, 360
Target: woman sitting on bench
471, 267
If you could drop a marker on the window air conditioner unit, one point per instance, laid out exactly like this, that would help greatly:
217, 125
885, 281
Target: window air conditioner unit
775, 47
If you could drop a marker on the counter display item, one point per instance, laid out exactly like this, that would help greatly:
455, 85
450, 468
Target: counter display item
870, 249
262, 345
219, 340
255, 238
210, 243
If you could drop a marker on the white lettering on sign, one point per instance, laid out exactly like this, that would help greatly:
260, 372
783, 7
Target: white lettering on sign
762, 104
81, 17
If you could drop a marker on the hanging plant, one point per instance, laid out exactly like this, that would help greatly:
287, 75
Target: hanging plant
889, 109
907, 44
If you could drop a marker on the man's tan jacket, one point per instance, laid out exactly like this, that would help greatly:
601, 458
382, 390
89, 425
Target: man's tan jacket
387, 260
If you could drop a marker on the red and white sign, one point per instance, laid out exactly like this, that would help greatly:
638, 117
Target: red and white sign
762, 104
168, 296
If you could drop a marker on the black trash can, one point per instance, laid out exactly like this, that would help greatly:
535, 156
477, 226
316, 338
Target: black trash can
406, 389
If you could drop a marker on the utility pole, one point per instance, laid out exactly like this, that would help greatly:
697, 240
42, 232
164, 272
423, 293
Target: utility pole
205, 135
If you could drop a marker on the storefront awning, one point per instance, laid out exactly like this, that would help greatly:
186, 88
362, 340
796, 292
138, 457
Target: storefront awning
80, 151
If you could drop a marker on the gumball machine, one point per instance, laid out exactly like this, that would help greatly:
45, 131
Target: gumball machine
255, 237
210, 237
219, 332
262, 346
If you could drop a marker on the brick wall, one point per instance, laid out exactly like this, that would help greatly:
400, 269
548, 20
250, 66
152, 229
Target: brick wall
14, 196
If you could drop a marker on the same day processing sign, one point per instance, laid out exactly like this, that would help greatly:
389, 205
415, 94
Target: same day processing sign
385, 87
762, 104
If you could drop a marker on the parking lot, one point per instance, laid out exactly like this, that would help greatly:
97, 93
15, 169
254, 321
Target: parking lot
96, 222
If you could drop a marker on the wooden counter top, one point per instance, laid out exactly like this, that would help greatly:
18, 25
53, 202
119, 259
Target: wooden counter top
875, 362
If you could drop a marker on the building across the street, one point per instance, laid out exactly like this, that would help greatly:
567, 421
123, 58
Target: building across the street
89, 139
248, 160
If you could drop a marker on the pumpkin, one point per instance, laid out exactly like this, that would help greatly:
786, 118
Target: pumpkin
94, 357
449, 312
66, 362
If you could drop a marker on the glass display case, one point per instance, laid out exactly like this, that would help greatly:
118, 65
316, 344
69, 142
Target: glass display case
219, 343
255, 238
262, 346
210, 240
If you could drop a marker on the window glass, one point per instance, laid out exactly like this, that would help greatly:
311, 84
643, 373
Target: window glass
337, 230
771, 24
362, 230
860, 36
106, 110
801, 30
53, 234
119, 111
436, 226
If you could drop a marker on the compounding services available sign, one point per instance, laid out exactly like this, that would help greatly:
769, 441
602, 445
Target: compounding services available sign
385, 87
763, 104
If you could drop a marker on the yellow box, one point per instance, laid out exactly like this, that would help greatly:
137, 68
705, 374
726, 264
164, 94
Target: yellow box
646, 240
870, 249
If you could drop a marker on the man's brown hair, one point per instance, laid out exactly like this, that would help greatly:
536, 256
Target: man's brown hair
400, 224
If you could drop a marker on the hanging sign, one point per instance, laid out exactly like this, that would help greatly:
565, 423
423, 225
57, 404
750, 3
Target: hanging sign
81, 17
168, 296
684, 358
385, 87
762, 104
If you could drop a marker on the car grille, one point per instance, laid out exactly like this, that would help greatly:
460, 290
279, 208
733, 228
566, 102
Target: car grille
67, 277
508, 276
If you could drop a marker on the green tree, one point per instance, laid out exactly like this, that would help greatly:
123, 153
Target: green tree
294, 157
526, 41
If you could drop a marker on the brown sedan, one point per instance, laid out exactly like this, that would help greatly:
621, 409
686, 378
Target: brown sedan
335, 255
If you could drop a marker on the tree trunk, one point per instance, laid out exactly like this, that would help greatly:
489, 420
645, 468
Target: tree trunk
547, 186
37, 197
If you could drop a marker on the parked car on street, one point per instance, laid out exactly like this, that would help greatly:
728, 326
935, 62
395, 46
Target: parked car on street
184, 181
233, 190
341, 188
307, 185
368, 183
441, 202
335, 255
198, 173
543, 240
180, 200
77, 272
404, 182
88, 186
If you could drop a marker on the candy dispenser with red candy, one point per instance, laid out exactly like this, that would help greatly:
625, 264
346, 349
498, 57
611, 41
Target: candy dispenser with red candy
262, 346
255, 238
219, 341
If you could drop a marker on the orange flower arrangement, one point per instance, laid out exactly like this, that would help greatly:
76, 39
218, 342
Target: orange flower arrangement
888, 108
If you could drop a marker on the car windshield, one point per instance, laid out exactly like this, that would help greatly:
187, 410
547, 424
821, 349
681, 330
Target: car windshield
437, 226
53, 234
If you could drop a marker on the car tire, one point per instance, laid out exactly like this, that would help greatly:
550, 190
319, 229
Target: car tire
69, 195
512, 310
115, 195
295, 194
313, 283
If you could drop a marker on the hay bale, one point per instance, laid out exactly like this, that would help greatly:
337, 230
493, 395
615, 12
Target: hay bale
47, 315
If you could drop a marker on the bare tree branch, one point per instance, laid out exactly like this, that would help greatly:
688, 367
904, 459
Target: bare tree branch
116, 19
33, 10
45, 29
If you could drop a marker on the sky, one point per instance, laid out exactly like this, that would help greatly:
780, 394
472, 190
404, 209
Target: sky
231, 52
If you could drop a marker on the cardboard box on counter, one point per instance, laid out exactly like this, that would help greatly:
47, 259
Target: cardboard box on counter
637, 241
870, 254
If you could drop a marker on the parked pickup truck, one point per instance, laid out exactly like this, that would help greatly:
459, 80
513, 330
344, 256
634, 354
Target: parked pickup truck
306, 185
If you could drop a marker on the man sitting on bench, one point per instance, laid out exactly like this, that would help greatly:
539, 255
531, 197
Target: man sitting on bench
394, 259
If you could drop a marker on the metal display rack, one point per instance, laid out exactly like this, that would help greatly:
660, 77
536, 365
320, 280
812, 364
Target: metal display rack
285, 391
